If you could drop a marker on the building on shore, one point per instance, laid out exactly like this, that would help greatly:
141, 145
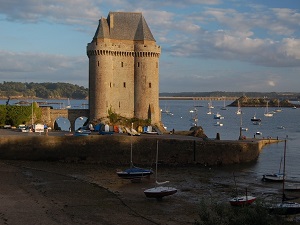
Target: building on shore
124, 69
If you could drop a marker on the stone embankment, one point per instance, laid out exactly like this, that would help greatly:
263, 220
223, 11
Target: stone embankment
115, 149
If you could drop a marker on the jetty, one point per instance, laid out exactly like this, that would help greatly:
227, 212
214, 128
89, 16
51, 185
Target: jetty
112, 149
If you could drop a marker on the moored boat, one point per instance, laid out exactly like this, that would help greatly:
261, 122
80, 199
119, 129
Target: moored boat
218, 116
285, 207
254, 118
134, 173
159, 192
242, 200
273, 177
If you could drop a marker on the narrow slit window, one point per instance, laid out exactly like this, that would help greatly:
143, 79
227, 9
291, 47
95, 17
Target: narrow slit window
149, 85
98, 63
138, 64
124, 84
122, 64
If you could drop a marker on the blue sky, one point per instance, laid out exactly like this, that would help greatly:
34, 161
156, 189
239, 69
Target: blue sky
207, 45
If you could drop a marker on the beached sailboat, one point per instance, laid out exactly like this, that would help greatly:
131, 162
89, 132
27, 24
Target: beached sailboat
285, 207
159, 191
278, 177
241, 200
133, 172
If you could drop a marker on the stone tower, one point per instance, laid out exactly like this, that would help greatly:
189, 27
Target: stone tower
124, 68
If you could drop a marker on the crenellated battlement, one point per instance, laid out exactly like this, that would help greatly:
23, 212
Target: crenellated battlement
124, 69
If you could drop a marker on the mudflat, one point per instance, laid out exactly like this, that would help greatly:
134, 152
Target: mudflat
35, 192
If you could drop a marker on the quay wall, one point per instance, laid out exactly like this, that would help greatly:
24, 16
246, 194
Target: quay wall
113, 149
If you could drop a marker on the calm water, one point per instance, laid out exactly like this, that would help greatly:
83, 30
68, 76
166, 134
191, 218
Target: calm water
269, 159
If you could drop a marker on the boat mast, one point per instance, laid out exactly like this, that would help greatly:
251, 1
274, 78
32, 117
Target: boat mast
131, 162
284, 154
156, 160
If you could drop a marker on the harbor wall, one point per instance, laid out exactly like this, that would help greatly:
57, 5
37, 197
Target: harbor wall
115, 149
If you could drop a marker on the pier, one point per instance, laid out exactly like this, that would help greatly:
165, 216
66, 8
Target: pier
113, 149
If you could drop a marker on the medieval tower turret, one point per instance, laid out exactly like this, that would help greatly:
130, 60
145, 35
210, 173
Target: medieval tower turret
124, 68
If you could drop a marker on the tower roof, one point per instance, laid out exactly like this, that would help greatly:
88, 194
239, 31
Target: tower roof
124, 26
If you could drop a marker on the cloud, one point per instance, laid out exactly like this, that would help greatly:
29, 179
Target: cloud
56, 11
36, 67
256, 36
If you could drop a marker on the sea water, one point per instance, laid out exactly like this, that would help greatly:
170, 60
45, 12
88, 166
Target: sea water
181, 115
282, 125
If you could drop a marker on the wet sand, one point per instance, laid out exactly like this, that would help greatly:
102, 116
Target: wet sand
75, 193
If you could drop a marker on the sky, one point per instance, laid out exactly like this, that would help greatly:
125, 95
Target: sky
207, 45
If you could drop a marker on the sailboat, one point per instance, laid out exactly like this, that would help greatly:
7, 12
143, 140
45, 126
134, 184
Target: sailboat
159, 192
241, 200
274, 176
224, 105
69, 104
194, 118
239, 111
241, 127
278, 108
267, 113
210, 106
133, 172
285, 207
209, 111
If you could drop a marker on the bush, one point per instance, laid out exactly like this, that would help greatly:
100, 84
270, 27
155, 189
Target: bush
225, 214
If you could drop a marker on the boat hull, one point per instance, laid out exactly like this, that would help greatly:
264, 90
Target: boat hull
285, 208
242, 200
159, 192
134, 173
273, 177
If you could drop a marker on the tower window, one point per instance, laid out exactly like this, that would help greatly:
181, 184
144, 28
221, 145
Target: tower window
138, 64
98, 63
110, 84
122, 64
124, 84
149, 85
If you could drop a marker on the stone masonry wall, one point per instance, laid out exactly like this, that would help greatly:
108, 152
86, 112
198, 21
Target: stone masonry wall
116, 150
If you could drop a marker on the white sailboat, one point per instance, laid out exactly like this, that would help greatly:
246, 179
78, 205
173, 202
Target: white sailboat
159, 192
278, 108
239, 111
69, 104
267, 113
224, 105
210, 106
